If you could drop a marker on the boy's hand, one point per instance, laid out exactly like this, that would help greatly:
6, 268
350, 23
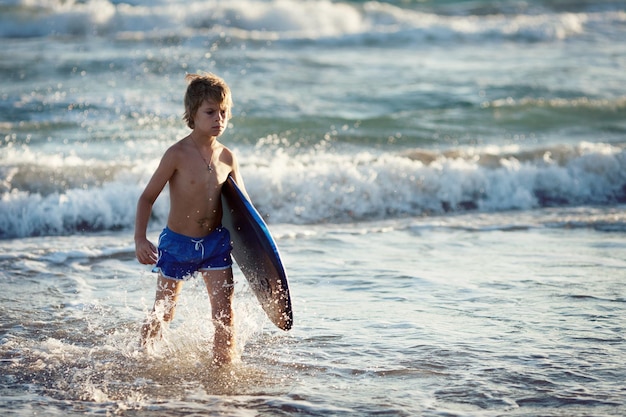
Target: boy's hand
146, 252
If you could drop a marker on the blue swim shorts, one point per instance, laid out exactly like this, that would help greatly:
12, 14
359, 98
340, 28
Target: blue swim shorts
181, 256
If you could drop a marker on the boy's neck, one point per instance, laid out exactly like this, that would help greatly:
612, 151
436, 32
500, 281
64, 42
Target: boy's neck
202, 140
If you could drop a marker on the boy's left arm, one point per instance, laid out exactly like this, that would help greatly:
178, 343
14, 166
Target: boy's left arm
236, 174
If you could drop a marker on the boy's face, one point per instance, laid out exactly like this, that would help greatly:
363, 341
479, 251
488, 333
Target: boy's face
211, 118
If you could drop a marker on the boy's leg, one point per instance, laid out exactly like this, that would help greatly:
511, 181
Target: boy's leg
167, 293
220, 286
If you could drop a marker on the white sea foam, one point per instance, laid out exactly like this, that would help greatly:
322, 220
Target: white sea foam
335, 187
285, 19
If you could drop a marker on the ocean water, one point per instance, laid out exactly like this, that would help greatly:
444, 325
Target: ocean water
445, 180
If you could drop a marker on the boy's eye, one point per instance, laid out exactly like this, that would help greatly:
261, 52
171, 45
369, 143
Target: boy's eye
212, 112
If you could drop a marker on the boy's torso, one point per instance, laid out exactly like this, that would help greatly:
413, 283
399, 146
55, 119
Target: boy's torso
195, 194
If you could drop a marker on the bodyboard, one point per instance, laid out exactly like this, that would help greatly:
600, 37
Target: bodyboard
256, 254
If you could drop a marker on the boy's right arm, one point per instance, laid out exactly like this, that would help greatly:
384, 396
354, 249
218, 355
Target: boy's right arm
145, 251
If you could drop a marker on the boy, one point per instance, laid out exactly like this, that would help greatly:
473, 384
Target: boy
193, 240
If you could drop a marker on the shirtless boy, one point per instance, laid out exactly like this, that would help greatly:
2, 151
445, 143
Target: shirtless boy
194, 240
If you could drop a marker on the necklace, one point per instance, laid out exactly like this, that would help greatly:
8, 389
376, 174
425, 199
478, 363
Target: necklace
208, 164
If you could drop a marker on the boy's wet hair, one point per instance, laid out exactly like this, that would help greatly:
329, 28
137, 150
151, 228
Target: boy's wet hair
205, 87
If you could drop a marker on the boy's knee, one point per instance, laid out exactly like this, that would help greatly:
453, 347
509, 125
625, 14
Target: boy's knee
165, 309
224, 318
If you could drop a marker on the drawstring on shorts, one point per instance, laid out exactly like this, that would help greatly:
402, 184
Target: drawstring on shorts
199, 245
